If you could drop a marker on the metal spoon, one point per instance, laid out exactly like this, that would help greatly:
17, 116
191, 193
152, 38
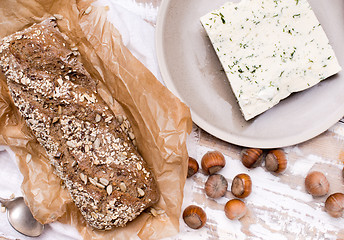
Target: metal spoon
20, 217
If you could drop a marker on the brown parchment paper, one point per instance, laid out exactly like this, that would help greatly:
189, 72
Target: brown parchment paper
159, 120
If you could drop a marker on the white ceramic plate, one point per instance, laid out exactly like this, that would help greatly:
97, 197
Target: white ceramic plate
192, 71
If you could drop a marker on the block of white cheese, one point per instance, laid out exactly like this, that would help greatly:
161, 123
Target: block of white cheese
269, 49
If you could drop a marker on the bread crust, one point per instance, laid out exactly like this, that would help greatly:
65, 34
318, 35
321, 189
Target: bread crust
89, 147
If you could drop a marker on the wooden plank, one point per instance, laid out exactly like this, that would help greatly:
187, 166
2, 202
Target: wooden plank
279, 206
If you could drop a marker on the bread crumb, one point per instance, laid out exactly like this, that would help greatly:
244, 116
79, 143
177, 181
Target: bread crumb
3, 209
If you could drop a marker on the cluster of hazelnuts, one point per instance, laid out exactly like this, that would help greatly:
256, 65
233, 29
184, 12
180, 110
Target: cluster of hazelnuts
316, 182
216, 184
275, 161
317, 185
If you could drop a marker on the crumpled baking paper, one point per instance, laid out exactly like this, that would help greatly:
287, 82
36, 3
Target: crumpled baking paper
159, 120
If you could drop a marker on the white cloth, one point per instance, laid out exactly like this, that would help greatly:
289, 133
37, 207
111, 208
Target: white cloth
137, 34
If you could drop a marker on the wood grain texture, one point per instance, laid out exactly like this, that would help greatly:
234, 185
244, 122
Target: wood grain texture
279, 206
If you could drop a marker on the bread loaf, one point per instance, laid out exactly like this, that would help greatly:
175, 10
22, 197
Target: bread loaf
86, 143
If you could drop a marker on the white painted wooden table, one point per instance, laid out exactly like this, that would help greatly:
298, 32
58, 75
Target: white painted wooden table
279, 206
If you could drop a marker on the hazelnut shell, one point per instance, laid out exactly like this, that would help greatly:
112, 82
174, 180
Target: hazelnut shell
212, 162
334, 204
235, 209
192, 167
241, 185
194, 217
251, 157
216, 186
276, 161
316, 184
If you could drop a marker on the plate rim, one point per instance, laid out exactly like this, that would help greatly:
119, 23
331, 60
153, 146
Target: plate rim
213, 130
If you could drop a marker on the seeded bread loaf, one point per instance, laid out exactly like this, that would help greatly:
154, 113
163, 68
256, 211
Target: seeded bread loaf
88, 146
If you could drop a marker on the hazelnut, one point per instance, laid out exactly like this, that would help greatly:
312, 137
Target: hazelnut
216, 186
192, 167
316, 184
235, 209
241, 185
276, 161
212, 162
334, 205
251, 157
194, 217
